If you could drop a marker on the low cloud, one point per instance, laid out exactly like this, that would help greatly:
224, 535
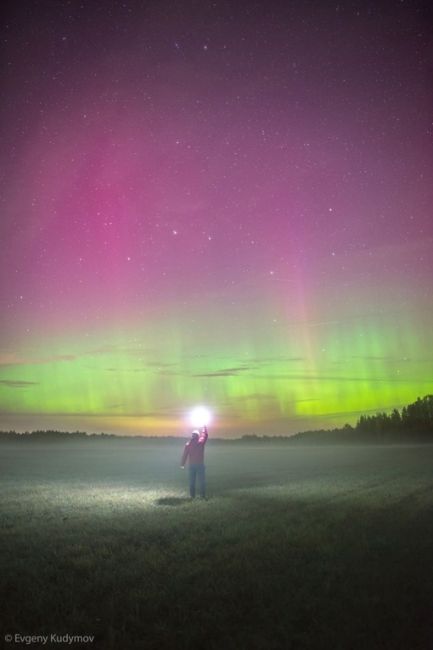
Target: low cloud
268, 360
17, 383
224, 372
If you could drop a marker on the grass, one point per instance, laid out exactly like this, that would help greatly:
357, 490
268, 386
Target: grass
302, 548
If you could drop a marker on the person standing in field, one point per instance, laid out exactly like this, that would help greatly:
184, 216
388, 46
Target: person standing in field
194, 453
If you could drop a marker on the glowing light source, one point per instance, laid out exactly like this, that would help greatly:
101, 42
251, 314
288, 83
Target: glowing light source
200, 416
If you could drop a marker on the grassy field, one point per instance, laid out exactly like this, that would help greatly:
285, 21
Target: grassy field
302, 548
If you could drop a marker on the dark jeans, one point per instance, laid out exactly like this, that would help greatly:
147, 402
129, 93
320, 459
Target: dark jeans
196, 471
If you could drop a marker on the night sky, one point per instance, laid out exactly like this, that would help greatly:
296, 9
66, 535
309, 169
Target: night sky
221, 203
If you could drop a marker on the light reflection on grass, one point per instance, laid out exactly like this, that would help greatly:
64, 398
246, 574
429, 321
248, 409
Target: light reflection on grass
291, 544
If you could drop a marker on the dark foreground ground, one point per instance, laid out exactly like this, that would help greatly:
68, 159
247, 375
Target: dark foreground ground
302, 548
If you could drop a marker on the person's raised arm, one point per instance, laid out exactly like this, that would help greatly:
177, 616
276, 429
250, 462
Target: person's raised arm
203, 435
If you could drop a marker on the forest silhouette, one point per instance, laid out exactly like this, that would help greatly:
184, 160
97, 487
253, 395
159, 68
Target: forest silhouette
413, 424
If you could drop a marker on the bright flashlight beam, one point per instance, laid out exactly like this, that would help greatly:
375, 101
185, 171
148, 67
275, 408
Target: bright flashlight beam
200, 416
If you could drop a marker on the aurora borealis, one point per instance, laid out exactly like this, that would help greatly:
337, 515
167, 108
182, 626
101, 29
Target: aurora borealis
220, 203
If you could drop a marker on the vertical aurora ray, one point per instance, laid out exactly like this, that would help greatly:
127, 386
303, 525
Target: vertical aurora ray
237, 225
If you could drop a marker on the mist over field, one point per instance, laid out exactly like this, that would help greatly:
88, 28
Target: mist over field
296, 547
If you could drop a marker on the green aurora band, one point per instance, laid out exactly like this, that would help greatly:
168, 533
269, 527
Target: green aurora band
294, 377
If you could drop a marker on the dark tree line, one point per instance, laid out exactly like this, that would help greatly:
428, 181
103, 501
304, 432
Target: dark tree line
49, 436
53, 435
414, 423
